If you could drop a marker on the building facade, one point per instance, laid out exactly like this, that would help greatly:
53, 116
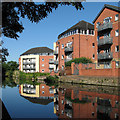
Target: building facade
78, 41
38, 59
107, 39
100, 41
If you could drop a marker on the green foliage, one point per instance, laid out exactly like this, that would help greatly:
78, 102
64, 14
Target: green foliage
29, 76
13, 11
8, 68
52, 80
79, 60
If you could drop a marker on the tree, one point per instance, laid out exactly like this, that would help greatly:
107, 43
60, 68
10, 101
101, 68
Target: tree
13, 11
8, 68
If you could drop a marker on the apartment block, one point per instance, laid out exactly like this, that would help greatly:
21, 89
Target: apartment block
39, 59
107, 39
100, 42
77, 41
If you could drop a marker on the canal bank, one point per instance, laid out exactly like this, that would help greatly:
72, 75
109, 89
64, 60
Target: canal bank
105, 81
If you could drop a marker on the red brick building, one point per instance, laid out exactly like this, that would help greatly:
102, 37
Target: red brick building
78, 41
38, 59
81, 104
107, 39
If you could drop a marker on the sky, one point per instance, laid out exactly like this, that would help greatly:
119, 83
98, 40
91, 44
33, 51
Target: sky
45, 33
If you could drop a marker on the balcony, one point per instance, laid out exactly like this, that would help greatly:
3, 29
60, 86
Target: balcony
67, 59
105, 26
56, 62
68, 49
51, 61
102, 56
56, 52
25, 63
105, 41
51, 66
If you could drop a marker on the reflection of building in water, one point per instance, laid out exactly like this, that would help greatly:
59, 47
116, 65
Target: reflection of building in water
41, 94
70, 103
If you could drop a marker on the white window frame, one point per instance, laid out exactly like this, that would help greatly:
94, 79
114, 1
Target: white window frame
117, 48
117, 33
116, 17
42, 65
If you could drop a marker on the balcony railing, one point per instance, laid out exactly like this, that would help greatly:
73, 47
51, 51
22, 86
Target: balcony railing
56, 52
106, 40
105, 26
51, 67
68, 49
28, 63
56, 62
56, 71
51, 61
67, 59
102, 56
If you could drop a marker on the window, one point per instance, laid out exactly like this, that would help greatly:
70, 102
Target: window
43, 92
116, 17
117, 63
117, 48
116, 32
107, 20
93, 45
62, 46
42, 70
62, 67
43, 86
42, 59
42, 65
97, 25
62, 101
93, 56
62, 57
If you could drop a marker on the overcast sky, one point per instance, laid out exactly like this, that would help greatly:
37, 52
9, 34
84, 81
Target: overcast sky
45, 32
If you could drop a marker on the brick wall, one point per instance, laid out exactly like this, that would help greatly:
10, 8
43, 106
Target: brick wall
113, 72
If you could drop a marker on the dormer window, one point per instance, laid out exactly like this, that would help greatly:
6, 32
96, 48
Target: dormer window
98, 23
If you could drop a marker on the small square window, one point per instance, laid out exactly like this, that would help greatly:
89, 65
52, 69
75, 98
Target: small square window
116, 32
62, 57
62, 46
42, 59
43, 86
93, 56
116, 48
116, 17
42, 65
42, 70
93, 45
43, 92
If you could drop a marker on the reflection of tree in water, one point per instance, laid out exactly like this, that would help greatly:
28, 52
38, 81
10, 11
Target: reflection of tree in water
9, 82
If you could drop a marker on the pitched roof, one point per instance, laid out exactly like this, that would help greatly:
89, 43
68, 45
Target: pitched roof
81, 25
38, 50
115, 8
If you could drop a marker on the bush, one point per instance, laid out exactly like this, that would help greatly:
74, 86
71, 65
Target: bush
79, 60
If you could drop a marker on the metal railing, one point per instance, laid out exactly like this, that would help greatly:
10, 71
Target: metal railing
51, 67
105, 26
68, 49
56, 62
55, 52
67, 59
104, 41
51, 61
102, 56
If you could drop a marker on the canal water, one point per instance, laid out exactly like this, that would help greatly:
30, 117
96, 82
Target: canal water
64, 101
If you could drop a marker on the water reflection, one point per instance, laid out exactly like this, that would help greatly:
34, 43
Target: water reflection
76, 101
40, 94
